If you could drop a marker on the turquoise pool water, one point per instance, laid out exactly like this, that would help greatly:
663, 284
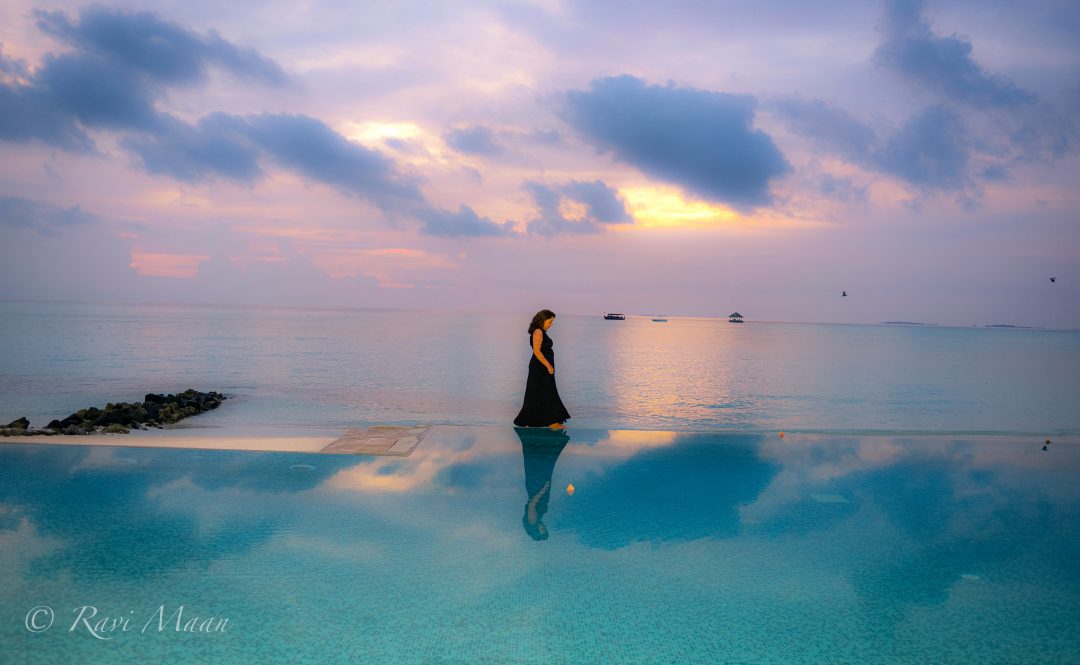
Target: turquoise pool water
674, 547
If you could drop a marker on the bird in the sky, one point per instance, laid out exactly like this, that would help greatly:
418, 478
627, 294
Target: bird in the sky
844, 294
1053, 279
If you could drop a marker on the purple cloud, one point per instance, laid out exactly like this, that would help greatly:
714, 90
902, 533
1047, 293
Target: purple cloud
701, 141
474, 140
45, 218
602, 203
941, 64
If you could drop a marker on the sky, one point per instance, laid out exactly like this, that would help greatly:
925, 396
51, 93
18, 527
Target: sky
689, 159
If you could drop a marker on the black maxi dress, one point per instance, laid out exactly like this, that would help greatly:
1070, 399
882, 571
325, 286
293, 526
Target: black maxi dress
542, 405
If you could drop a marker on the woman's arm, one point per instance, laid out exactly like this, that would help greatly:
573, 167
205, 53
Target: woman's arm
538, 338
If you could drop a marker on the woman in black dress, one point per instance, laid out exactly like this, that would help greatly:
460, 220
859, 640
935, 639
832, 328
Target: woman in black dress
542, 406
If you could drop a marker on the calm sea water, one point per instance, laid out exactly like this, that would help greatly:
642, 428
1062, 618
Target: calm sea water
292, 368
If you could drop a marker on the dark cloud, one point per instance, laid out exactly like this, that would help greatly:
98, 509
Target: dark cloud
309, 147
473, 141
463, 223
26, 114
97, 92
161, 50
602, 206
942, 64
43, 217
934, 148
603, 202
701, 141
930, 150
219, 145
121, 65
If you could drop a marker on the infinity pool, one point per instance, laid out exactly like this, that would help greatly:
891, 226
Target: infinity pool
669, 548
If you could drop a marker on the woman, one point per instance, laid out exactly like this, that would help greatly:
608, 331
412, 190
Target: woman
542, 406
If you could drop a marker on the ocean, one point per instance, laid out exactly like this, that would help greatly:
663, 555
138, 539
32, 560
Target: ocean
295, 369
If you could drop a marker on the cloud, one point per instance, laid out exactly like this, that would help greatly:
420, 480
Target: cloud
43, 217
473, 141
598, 205
1020, 127
161, 50
842, 188
982, 125
229, 146
121, 66
463, 223
831, 129
545, 136
217, 145
12, 68
603, 202
26, 114
97, 92
701, 141
930, 150
309, 147
941, 64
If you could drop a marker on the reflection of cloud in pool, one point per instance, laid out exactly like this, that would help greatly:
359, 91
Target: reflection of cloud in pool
21, 542
923, 514
151, 513
633, 440
389, 474
689, 488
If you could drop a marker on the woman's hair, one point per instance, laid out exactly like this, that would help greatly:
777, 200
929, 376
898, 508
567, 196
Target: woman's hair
538, 320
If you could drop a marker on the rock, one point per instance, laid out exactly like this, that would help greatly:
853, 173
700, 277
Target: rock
21, 423
154, 411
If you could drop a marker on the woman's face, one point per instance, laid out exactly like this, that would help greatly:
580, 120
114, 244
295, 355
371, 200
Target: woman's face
548, 322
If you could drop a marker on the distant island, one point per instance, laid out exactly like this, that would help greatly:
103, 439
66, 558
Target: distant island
1009, 325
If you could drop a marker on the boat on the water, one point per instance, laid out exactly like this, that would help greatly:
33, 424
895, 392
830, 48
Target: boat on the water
660, 319
614, 317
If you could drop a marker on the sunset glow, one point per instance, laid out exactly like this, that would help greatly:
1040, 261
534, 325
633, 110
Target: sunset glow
357, 154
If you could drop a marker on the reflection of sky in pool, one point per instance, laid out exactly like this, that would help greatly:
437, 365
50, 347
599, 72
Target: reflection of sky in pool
674, 547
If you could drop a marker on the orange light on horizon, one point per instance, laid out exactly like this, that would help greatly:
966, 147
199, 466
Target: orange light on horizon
663, 207
156, 264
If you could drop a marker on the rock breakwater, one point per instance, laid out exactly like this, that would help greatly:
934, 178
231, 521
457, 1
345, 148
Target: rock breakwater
156, 410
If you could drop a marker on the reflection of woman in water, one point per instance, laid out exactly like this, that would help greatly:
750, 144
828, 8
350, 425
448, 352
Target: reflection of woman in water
542, 406
540, 448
